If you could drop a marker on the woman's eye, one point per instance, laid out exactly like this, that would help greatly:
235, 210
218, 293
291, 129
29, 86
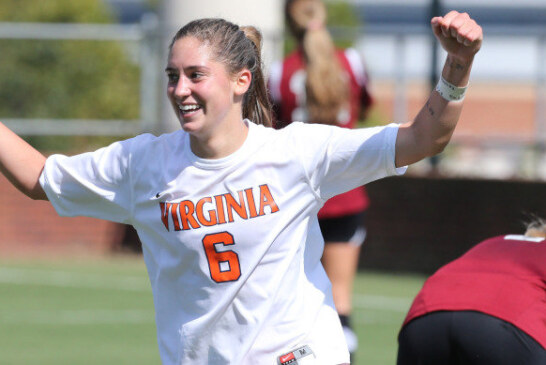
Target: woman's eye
196, 75
172, 78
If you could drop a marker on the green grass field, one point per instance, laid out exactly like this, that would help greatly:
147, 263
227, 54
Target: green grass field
101, 312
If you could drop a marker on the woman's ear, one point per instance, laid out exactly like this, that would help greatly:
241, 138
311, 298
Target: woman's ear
242, 82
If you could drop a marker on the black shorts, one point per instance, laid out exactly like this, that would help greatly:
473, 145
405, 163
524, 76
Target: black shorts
346, 229
466, 337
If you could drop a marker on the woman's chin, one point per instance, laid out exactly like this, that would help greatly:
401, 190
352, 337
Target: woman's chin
190, 126
187, 127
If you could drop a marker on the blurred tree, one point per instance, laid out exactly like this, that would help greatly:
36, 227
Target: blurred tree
65, 79
154, 4
343, 15
54, 11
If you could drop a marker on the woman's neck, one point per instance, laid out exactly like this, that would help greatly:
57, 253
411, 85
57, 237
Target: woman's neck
223, 142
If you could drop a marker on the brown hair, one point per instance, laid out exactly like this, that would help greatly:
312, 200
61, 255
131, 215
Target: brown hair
237, 48
326, 85
536, 228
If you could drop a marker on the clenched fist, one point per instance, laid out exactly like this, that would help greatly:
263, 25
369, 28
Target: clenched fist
458, 34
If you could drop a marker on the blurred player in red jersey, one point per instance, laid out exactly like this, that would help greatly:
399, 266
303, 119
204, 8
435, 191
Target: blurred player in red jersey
487, 307
318, 83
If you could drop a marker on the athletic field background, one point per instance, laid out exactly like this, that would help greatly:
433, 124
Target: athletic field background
100, 311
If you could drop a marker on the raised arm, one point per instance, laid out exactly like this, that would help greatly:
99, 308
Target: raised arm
432, 128
21, 164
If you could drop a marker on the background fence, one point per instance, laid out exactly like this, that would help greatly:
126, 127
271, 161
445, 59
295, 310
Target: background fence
139, 40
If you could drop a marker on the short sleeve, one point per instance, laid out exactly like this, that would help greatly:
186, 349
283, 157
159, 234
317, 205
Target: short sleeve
95, 184
337, 160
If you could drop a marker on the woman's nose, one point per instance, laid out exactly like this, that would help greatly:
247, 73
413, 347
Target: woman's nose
182, 88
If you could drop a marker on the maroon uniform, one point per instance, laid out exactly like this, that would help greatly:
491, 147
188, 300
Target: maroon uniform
504, 277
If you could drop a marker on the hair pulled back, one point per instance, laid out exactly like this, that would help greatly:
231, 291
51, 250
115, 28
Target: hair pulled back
536, 228
326, 85
236, 48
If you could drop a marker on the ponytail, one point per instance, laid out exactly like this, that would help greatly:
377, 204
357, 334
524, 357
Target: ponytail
536, 228
257, 105
326, 85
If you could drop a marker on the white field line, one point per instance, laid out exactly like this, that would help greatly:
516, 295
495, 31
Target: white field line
380, 310
383, 303
98, 281
78, 317
67, 279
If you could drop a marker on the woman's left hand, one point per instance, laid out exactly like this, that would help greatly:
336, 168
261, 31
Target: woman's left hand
458, 34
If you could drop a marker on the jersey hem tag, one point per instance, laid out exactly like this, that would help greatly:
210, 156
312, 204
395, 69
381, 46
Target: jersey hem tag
292, 357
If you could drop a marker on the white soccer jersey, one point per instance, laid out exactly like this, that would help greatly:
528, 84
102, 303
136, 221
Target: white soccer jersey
232, 245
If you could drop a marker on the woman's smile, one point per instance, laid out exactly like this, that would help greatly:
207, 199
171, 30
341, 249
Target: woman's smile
200, 89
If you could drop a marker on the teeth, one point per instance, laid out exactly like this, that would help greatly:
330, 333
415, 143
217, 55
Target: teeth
188, 108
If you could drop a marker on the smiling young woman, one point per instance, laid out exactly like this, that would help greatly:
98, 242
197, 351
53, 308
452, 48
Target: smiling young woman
231, 241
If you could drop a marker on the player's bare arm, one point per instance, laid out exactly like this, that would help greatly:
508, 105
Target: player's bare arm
21, 164
428, 134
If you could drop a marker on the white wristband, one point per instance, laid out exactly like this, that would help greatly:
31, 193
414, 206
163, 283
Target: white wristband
449, 91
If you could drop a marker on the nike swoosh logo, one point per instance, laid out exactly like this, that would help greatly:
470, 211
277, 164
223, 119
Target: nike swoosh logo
286, 357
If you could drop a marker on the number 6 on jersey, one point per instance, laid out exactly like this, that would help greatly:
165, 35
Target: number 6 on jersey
224, 265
